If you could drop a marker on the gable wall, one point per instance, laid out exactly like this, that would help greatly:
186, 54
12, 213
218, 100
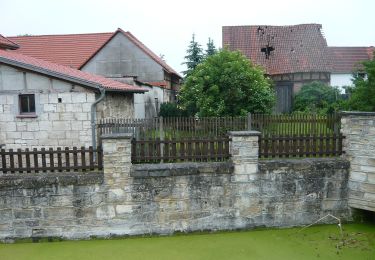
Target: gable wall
120, 57
56, 124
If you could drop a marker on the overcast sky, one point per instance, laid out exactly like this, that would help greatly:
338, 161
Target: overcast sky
166, 26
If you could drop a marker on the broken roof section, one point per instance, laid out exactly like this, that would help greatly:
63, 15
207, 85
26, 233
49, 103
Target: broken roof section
65, 73
75, 50
348, 59
281, 49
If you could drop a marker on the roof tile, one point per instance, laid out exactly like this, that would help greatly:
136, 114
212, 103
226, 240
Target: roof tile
297, 48
67, 71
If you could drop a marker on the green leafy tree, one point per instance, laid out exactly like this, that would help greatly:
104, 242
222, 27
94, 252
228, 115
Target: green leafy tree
194, 56
211, 49
169, 109
363, 94
317, 97
226, 84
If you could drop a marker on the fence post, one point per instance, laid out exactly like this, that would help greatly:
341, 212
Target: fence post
244, 150
249, 121
161, 135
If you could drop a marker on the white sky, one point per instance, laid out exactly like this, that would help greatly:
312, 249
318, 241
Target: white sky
166, 26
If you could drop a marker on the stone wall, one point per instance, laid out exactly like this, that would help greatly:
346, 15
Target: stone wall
359, 147
64, 123
116, 106
63, 110
164, 198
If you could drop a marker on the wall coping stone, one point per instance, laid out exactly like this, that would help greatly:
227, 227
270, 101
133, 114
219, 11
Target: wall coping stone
180, 169
337, 162
118, 136
244, 133
37, 180
356, 113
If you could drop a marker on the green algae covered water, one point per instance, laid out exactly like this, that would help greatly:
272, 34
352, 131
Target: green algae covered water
317, 242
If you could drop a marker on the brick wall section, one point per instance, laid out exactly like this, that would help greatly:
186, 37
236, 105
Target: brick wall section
359, 145
165, 198
57, 124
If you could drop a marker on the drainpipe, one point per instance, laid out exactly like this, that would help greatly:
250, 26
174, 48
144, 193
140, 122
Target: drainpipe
93, 117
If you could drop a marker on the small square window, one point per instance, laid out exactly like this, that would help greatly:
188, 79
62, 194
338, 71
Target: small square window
27, 104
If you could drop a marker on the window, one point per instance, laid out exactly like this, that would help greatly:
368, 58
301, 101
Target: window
27, 104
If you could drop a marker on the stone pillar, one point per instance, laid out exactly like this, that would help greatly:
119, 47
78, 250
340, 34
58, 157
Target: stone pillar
244, 149
359, 146
116, 157
116, 164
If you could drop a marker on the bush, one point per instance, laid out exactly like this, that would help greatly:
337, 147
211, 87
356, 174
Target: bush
318, 98
226, 84
171, 110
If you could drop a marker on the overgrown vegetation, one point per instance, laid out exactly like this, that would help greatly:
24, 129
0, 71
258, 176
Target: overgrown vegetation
171, 110
226, 84
318, 98
363, 94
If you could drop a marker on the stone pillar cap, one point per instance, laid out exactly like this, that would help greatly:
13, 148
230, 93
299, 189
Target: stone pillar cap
118, 136
356, 113
244, 133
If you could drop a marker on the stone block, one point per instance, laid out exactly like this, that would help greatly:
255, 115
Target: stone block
50, 107
105, 212
79, 97
23, 213
65, 97
358, 176
124, 209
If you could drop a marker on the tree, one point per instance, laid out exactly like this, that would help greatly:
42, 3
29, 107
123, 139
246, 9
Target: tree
317, 97
226, 84
363, 94
194, 56
211, 49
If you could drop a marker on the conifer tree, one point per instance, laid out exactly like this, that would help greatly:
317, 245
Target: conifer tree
211, 49
194, 56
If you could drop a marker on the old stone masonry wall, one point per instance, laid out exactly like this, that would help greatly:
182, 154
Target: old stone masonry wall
359, 145
164, 198
62, 119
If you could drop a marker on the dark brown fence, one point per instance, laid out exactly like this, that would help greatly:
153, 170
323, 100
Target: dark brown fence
296, 124
181, 150
300, 145
43, 160
173, 127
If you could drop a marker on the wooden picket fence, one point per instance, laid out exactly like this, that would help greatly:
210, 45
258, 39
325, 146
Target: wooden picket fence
51, 160
296, 124
287, 146
181, 150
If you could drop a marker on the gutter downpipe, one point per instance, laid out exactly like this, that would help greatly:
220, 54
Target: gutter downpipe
93, 118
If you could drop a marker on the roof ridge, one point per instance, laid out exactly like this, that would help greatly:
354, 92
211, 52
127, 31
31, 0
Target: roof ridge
257, 25
61, 34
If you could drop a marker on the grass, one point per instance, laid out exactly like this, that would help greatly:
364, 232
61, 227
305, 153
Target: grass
318, 242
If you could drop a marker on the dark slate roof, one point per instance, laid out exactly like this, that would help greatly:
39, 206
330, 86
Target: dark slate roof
348, 59
294, 48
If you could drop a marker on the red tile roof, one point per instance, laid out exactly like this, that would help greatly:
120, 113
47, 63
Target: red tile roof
297, 48
67, 49
348, 59
7, 44
64, 72
75, 50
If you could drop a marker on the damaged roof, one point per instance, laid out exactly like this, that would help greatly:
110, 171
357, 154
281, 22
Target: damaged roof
281, 49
